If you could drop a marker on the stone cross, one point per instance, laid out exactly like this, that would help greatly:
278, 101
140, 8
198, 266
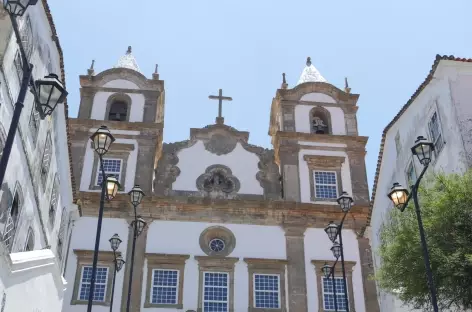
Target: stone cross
220, 98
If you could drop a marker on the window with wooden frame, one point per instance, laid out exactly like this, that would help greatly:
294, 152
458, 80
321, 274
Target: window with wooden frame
435, 132
46, 161
325, 177
216, 283
165, 280
83, 275
266, 284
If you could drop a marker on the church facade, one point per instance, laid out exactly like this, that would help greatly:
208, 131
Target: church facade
230, 226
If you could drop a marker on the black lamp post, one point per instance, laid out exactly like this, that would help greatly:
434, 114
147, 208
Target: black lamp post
48, 92
334, 231
101, 141
329, 271
115, 242
138, 224
400, 197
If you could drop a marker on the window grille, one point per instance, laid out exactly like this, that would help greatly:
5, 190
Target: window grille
215, 292
165, 286
326, 185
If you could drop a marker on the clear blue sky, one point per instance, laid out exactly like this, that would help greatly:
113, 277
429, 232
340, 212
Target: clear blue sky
385, 48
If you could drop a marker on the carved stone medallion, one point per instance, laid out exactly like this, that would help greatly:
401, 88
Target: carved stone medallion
221, 144
218, 180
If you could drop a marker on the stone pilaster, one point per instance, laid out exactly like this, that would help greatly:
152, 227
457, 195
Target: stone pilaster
296, 272
288, 155
139, 256
367, 269
360, 189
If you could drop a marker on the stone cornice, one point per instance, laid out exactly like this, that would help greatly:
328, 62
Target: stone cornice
348, 264
318, 161
84, 255
256, 262
347, 108
77, 124
154, 258
117, 90
259, 212
353, 143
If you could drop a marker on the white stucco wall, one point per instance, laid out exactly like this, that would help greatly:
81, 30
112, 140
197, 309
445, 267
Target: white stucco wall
305, 172
318, 247
303, 121
84, 238
194, 160
132, 159
436, 97
185, 237
100, 101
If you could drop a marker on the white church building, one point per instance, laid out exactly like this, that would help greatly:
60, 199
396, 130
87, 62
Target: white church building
440, 111
36, 197
230, 226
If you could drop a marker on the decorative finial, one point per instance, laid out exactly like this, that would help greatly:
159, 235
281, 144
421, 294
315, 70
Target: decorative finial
308, 61
155, 75
129, 50
284, 82
90, 71
346, 86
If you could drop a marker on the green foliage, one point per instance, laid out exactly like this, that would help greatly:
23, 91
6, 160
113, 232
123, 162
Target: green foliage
446, 208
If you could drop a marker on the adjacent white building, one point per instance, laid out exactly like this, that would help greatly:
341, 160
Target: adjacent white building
36, 197
439, 110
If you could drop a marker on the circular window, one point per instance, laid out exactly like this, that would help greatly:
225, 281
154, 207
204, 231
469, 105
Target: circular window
217, 241
217, 245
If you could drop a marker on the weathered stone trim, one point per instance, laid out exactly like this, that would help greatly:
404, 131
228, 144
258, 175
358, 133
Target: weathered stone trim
324, 163
156, 93
217, 232
216, 264
296, 271
296, 93
266, 266
367, 269
85, 258
347, 108
349, 265
119, 96
123, 156
260, 212
166, 262
118, 147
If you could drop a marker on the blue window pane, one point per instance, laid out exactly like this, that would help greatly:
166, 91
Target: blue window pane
266, 291
111, 167
164, 289
101, 277
215, 292
328, 295
325, 185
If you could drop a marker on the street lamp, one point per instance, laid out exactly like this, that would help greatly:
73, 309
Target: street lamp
47, 92
334, 231
136, 195
101, 142
18, 7
115, 242
400, 197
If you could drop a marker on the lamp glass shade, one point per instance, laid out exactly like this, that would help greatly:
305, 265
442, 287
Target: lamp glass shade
336, 249
423, 149
398, 195
332, 231
136, 195
101, 140
326, 269
18, 7
112, 186
51, 92
345, 202
115, 242
119, 262
140, 224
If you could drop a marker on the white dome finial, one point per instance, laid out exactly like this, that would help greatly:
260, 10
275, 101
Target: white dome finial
310, 73
128, 61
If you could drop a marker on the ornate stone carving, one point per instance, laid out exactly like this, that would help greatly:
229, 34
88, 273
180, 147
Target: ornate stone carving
317, 161
220, 144
269, 175
167, 171
218, 181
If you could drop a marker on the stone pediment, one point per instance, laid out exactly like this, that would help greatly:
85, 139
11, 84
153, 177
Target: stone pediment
219, 139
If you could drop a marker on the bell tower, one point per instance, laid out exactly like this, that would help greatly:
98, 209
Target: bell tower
132, 107
314, 132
